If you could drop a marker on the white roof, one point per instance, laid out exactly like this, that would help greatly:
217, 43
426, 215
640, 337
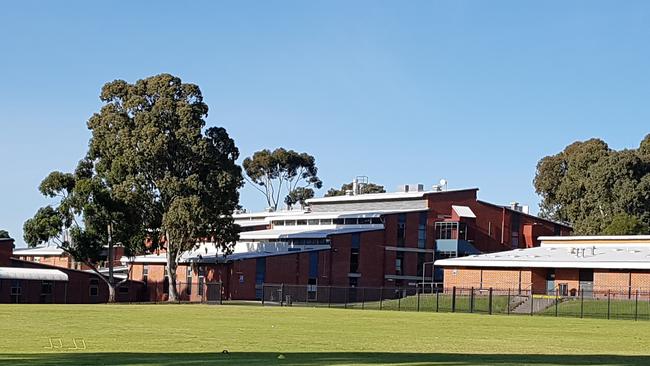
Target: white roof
38, 274
306, 233
618, 239
463, 211
38, 251
378, 196
560, 256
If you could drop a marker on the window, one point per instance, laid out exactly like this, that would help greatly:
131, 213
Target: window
354, 253
326, 221
399, 263
312, 289
16, 291
351, 221
515, 239
338, 221
401, 230
278, 223
37, 259
46, 292
189, 280
364, 221
312, 222
145, 272
376, 221
422, 231
448, 230
93, 288
290, 222
302, 222
201, 280
260, 275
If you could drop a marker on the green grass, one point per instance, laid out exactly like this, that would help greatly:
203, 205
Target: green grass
197, 334
443, 303
618, 309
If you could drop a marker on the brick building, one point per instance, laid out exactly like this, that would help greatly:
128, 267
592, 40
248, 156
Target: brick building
53, 281
367, 240
569, 265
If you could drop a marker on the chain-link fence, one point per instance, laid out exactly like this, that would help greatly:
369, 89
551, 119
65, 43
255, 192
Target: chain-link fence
608, 304
193, 292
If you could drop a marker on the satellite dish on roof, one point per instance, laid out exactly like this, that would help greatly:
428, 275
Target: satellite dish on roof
443, 183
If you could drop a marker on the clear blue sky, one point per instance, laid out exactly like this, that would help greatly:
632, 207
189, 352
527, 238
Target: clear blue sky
402, 91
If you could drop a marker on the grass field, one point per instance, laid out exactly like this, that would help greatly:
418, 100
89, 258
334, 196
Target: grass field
197, 335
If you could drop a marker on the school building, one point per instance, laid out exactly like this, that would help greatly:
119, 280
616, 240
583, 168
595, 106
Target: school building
566, 266
356, 240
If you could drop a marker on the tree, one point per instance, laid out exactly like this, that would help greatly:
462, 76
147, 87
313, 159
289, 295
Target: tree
364, 189
299, 195
4, 234
280, 170
149, 145
588, 184
82, 196
624, 224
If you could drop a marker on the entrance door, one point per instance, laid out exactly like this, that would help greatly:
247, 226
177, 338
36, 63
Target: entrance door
550, 282
586, 277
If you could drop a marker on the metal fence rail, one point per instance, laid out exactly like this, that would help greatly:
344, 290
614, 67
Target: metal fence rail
624, 303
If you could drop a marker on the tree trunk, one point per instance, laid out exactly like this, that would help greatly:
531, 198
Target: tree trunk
111, 293
111, 279
171, 272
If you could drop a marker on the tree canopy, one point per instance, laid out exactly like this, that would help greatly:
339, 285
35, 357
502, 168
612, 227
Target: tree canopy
85, 221
363, 189
150, 147
589, 184
4, 234
282, 173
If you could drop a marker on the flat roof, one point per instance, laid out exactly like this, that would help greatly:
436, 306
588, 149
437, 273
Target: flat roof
35, 274
382, 196
306, 233
560, 256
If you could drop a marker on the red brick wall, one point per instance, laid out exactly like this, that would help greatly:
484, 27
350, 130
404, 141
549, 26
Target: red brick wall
496, 278
6, 250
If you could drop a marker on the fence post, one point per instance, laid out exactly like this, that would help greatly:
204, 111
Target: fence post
363, 297
417, 291
556, 301
636, 305
399, 299
453, 299
490, 302
263, 294
437, 300
582, 303
329, 297
220, 296
381, 297
508, 307
608, 304
282, 294
531, 302
471, 301
347, 295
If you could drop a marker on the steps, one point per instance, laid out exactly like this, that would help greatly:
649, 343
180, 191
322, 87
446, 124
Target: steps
538, 304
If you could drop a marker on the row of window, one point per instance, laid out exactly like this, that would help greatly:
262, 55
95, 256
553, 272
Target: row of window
339, 221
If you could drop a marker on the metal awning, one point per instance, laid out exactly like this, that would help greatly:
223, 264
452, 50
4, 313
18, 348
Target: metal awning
36, 274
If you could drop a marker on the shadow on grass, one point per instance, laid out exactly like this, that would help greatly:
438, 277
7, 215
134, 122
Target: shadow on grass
329, 358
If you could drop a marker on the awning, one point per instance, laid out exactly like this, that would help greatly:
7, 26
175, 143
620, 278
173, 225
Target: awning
463, 211
36, 274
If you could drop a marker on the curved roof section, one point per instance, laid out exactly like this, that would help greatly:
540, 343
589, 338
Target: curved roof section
35, 274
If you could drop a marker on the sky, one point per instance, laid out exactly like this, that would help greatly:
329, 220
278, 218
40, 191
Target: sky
474, 92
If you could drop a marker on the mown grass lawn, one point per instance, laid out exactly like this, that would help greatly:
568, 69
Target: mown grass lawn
197, 335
